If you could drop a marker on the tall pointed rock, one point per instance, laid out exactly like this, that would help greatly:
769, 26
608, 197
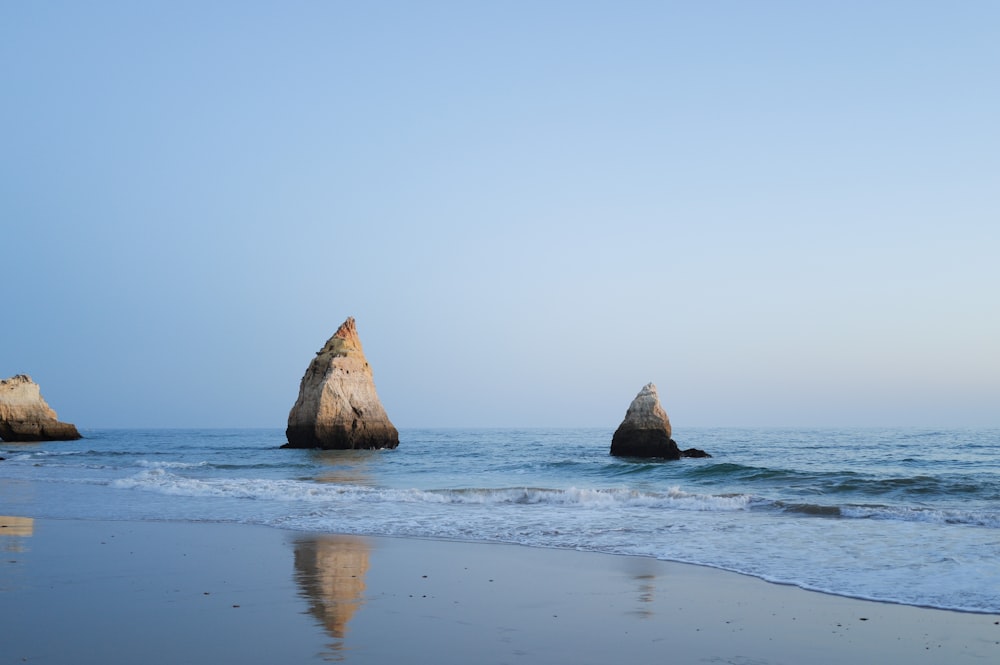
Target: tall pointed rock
25, 416
645, 432
337, 406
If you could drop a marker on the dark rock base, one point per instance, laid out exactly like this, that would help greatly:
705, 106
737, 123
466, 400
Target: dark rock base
341, 438
644, 443
650, 444
33, 432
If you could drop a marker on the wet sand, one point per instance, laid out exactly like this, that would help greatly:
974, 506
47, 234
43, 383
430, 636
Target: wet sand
125, 592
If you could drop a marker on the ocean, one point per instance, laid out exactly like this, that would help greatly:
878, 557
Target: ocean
907, 516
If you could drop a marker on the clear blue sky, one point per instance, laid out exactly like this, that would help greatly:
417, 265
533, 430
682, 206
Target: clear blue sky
782, 213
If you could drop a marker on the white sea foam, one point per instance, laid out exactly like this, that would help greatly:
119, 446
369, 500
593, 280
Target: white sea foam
153, 464
158, 478
43, 454
927, 515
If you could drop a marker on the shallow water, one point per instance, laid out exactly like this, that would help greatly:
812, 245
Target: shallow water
902, 515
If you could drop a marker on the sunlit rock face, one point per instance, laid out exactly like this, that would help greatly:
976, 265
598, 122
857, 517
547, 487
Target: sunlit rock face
25, 416
338, 407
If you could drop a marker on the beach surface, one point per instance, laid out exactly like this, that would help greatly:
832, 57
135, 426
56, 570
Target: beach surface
143, 592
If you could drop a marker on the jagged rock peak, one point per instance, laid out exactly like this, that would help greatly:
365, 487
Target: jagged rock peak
344, 341
16, 380
25, 416
338, 407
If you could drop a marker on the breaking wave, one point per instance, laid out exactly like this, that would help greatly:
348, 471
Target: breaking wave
160, 479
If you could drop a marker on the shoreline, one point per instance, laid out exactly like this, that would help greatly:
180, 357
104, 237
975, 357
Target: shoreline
75, 591
709, 566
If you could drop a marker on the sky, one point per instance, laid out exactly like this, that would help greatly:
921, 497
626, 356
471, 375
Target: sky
781, 213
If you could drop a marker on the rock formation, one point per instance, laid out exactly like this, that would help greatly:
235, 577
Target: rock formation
337, 406
646, 431
24, 415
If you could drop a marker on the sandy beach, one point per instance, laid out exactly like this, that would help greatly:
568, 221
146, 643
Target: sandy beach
127, 592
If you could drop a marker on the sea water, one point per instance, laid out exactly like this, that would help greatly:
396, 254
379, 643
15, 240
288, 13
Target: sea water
901, 515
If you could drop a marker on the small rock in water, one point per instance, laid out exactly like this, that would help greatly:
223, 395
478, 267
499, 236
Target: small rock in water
645, 431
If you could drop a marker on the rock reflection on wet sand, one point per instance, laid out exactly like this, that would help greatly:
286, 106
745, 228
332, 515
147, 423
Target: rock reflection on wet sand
330, 572
15, 528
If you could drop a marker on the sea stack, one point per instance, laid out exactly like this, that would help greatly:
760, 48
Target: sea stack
25, 416
338, 408
646, 432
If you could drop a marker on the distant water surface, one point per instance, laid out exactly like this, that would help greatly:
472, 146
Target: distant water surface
903, 515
